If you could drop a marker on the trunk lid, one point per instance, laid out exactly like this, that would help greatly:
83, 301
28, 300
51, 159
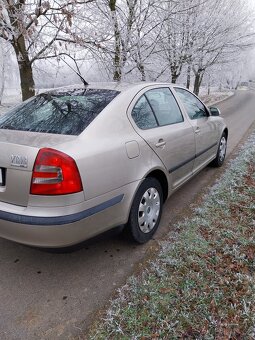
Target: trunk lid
18, 151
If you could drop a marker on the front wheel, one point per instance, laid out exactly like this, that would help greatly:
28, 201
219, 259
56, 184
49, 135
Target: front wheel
221, 153
146, 211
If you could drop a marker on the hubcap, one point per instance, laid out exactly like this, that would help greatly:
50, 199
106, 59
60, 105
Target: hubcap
148, 211
223, 147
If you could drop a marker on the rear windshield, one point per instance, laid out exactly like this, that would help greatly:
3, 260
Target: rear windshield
67, 113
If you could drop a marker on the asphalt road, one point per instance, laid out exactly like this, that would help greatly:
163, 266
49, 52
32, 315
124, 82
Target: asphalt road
55, 296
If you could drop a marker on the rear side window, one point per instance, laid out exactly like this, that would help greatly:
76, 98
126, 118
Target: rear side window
164, 106
67, 113
157, 107
143, 115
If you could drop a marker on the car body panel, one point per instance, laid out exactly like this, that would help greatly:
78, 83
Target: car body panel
18, 151
178, 153
207, 132
113, 157
66, 234
16, 186
206, 137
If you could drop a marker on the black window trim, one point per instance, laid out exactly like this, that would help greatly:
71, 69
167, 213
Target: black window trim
154, 114
143, 95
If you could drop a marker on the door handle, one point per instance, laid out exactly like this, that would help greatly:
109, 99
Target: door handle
161, 143
197, 131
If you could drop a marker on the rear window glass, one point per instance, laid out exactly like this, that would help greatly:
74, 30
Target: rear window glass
67, 113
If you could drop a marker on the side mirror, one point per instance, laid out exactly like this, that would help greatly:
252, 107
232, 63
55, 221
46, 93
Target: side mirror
214, 111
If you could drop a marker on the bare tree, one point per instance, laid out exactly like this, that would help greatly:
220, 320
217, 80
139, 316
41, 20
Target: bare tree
33, 28
129, 37
174, 41
133, 27
199, 34
144, 43
219, 32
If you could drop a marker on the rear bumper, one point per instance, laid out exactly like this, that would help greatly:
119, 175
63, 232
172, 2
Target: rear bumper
66, 230
59, 220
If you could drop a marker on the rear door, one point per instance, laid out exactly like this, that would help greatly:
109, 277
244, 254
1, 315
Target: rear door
205, 128
159, 121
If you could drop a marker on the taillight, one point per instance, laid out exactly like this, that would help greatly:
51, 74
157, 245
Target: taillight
55, 173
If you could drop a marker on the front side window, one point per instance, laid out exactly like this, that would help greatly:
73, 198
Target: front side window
195, 109
67, 113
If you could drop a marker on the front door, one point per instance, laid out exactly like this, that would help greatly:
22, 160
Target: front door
204, 127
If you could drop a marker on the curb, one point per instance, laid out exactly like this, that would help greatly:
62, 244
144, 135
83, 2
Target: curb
225, 99
219, 101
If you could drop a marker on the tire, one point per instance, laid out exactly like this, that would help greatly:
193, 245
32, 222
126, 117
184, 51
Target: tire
145, 211
221, 153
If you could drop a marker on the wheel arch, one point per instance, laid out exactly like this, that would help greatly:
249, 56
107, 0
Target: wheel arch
161, 177
226, 132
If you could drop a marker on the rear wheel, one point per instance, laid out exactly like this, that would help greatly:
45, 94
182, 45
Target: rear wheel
146, 211
221, 153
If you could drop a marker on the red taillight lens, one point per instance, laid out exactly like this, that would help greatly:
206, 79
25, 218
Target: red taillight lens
55, 173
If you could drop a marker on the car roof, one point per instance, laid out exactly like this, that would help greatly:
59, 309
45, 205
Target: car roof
117, 86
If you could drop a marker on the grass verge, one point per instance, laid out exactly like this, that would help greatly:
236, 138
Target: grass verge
202, 285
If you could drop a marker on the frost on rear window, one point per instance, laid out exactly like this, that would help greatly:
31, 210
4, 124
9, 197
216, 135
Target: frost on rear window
67, 113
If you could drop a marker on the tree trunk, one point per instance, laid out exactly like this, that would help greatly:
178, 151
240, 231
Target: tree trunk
175, 73
26, 80
117, 75
198, 81
174, 78
142, 71
209, 85
2, 83
117, 69
117, 53
139, 64
188, 77
25, 69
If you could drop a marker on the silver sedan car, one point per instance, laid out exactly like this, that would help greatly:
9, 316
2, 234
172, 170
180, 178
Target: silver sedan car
78, 161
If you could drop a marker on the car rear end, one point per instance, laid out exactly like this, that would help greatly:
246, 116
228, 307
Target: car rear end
42, 200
